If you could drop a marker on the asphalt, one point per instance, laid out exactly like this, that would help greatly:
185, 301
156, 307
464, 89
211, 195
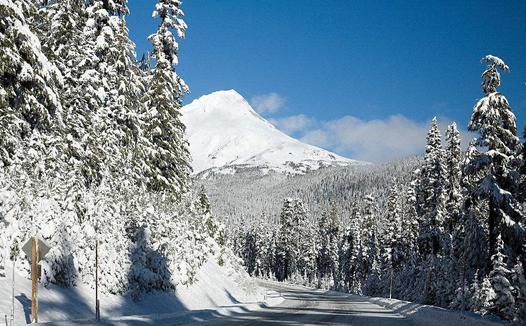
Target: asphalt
305, 306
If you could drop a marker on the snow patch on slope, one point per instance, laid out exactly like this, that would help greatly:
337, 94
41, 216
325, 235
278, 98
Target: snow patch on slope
224, 131
217, 287
425, 315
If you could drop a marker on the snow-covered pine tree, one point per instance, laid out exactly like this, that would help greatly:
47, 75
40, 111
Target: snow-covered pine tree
392, 229
303, 242
482, 295
250, 250
370, 262
471, 239
494, 167
410, 225
212, 227
454, 176
518, 280
392, 251
168, 161
431, 194
504, 302
522, 191
357, 273
308, 254
286, 247
327, 257
29, 104
345, 256
114, 84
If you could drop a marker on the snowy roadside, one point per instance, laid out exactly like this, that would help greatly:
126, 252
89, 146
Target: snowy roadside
270, 299
219, 291
435, 316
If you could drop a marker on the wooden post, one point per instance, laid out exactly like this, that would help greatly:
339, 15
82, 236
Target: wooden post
34, 280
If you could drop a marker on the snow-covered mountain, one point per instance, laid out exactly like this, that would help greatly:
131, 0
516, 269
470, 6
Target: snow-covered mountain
226, 134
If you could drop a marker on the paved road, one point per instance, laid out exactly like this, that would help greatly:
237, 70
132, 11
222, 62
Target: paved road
303, 306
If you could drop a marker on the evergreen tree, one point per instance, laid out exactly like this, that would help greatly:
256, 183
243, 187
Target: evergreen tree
303, 242
454, 175
504, 302
345, 255
286, 249
392, 248
370, 256
518, 281
168, 163
410, 225
30, 109
483, 296
392, 230
431, 194
309, 255
471, 238
522, 191
357, 272
327, 258
494, 167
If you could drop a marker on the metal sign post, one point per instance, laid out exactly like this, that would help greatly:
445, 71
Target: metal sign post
13, 296
13, 255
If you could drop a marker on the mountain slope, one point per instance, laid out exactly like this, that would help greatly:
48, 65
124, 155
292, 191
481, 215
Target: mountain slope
225, 133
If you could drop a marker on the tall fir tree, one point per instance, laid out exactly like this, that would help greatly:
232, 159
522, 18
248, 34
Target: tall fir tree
454, 176
286, 248
431, 194
392, 249
30, 108
495, 166
410, 225
504, 301
168, 161
327, 258
522, 192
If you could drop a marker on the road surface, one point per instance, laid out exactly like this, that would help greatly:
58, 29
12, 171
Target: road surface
304, 306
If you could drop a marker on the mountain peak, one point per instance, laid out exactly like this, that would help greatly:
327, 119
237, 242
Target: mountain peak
223, 99
224, 131
228, 103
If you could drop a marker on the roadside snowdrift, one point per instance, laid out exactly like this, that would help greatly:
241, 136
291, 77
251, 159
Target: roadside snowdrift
435, 316
216, 287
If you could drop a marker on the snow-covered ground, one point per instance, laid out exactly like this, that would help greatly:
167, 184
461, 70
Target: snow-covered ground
219, 290
435, 316
225, 132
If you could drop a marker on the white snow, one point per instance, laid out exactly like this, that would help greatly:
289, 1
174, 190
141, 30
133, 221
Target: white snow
498, 61
224, 130
424, 315
218, 289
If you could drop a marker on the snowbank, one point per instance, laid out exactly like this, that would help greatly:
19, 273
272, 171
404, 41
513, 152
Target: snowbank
220, 290
434, 316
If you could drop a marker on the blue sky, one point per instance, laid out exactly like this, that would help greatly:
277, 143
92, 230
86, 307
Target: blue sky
359, 78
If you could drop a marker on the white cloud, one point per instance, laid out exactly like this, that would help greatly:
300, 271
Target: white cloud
268, 103
293, 124
376, 140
